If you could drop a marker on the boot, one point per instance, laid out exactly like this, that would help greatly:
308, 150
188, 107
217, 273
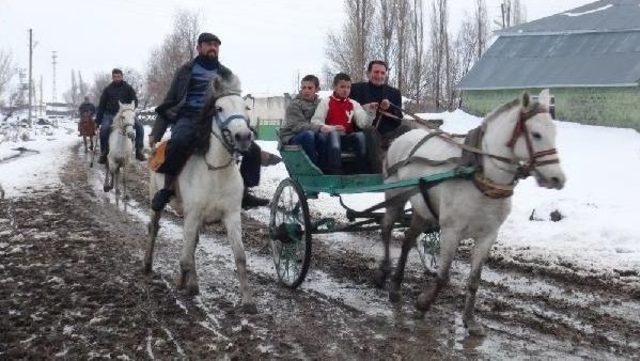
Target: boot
267, 159
251, 201
140, 156
163, 196
102, 159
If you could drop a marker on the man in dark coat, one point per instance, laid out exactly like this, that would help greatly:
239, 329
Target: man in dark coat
384, 128
87, 106
117, 91
181, 106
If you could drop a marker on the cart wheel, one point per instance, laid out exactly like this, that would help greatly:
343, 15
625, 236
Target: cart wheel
290, 233
428, 247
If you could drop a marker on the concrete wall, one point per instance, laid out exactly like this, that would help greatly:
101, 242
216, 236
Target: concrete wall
619, 107
272, 107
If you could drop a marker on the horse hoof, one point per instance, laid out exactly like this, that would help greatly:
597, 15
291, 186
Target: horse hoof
475, 328
249, 308
424, 302
192, 290
380, 278
106, 188
394, 295
180, 280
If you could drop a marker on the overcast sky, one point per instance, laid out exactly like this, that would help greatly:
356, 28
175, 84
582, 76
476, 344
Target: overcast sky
265, 42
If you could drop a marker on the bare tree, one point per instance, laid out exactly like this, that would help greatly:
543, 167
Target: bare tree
83, 87
416, 80
350, 49
403, 9
177, 48
384, 30
6, 70
466, 45
518, 13
482, 33
513, 13
100, 81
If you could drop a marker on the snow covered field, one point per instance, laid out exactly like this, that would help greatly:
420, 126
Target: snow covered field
32, 157
600, 231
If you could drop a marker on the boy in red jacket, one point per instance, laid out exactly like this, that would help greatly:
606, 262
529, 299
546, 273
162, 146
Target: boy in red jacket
345, 118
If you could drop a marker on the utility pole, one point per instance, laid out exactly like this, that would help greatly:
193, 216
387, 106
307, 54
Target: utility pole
41, 107
30, 72
54, 57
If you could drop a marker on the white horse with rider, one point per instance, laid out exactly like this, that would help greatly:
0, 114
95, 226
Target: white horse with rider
513, 142
121, 138
210, 187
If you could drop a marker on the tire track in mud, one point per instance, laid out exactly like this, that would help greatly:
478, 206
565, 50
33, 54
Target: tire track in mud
575, 319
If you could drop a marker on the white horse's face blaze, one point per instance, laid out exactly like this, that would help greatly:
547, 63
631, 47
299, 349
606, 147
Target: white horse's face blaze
542, 133
126, 115
240, 134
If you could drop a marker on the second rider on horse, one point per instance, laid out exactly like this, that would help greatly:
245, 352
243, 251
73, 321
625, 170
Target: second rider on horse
185, 99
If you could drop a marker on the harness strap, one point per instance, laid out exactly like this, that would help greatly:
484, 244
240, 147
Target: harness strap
490, 189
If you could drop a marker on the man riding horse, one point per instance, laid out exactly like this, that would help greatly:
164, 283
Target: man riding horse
87, 125
185, 99
117, 91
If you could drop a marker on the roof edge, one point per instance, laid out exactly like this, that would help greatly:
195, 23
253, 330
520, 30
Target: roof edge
565, 32
620, 85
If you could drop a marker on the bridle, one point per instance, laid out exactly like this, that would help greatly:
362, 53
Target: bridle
225, 136
121, 125
523, 170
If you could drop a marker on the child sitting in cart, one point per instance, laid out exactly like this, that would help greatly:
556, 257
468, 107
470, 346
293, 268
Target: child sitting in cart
297, 128
346, 118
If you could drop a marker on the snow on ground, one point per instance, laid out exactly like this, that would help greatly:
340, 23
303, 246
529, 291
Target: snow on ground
45, 151
600, 201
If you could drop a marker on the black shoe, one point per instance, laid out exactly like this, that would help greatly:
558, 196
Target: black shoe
267, 159
251, 201
160, 199
102, 159
140, 156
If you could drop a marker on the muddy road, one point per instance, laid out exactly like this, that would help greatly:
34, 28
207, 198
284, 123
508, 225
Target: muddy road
71, 288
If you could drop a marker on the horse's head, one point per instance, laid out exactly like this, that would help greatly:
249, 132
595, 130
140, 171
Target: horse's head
228, 113
533, 141
125, 118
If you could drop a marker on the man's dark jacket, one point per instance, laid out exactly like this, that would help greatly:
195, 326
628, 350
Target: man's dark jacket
176, 96
113, 93
366, 92
87, 107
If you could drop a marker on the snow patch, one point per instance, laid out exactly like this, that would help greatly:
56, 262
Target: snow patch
602, 8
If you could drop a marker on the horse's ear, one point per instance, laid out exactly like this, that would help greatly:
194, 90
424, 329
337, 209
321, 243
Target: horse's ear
544, 98
525, 100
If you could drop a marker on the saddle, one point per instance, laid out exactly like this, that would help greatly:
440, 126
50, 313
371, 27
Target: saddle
158, 156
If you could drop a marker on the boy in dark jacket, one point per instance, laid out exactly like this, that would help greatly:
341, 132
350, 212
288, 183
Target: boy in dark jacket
297, 128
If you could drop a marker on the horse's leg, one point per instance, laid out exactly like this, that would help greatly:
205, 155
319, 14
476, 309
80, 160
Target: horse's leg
153, 227
188, 278
124, 184
478, 258
418, 225
381, 274
107, 185
233, 225
449, 240
114, 178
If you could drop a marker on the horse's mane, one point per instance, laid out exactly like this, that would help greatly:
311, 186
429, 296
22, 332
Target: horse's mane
502, 109
219, 87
